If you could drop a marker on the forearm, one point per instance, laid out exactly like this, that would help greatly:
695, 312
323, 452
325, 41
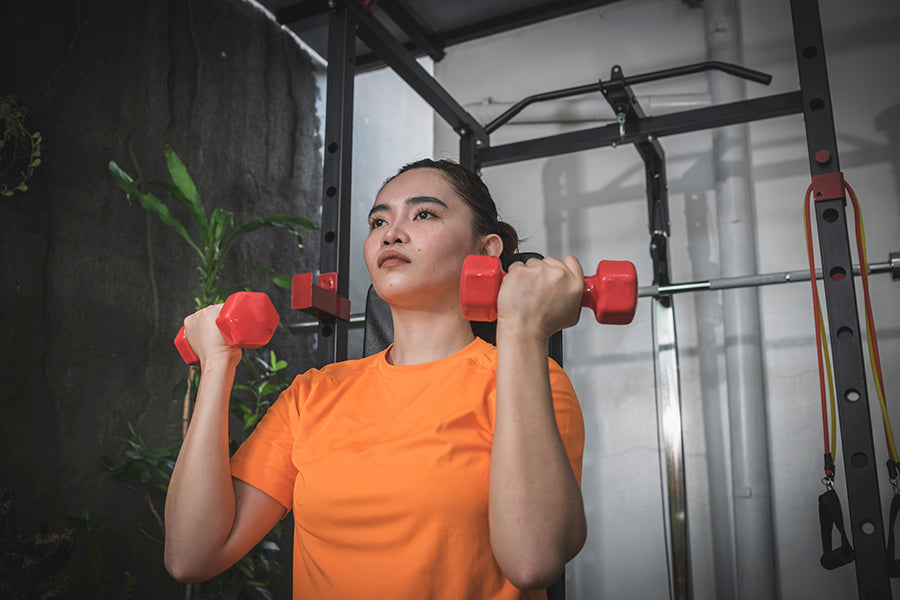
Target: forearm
200, 503
536, 512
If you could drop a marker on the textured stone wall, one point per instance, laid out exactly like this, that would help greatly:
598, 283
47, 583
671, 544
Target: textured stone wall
92, 289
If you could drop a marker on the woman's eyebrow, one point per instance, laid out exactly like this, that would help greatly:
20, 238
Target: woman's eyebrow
411, 201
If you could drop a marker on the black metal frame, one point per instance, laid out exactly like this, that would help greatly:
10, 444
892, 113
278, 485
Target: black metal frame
335, 243
866, 523
424, 42
348, 19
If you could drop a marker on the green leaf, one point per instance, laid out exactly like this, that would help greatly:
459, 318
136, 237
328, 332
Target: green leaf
266, 594
186, 188
221, 220
176, 192
157, 452
150, 203
283, 281
245, 570
281, 221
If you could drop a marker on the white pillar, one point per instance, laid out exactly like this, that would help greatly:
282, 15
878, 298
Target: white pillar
743, 346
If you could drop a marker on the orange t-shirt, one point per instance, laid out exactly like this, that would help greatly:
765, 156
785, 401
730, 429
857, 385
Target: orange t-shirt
386, 469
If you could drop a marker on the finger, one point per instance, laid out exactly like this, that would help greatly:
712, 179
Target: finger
515, 265
574, 265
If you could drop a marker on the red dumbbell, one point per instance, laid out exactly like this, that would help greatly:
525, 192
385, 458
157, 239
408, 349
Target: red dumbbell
247, 320
611, 293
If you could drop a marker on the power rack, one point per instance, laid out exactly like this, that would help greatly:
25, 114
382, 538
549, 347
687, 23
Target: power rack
352, 19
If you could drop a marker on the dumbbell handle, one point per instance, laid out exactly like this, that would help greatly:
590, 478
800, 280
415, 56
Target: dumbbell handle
247, 320
611, 293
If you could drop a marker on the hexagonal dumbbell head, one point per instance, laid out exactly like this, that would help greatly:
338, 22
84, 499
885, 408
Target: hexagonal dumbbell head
247, 320
612, 292
479, 287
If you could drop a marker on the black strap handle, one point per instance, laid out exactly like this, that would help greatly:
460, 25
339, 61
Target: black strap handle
831, 517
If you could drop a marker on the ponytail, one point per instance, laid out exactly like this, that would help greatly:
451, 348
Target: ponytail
510, 240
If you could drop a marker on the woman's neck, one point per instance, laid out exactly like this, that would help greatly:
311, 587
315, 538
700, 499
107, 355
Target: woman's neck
421, 337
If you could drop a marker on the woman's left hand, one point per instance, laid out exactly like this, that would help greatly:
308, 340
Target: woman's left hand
541, 296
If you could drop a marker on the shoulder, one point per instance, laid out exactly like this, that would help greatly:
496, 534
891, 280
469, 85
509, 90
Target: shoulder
481, 355
329, 377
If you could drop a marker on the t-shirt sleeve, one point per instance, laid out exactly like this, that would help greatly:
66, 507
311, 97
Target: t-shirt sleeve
264, 460
569, 419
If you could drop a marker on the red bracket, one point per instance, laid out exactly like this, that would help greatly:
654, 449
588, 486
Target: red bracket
367, 4
319, 300
828, 186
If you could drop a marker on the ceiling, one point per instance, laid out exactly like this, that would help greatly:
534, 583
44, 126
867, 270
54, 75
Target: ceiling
425, 27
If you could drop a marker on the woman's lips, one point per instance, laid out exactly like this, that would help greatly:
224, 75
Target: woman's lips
391, 258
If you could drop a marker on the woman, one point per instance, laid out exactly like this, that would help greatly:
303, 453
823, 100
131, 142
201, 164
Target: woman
440, 468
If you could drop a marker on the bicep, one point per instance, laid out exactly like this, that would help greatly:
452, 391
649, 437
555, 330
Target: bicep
255, 514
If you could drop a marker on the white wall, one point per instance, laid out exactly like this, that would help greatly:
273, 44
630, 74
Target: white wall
392, 126
592, 204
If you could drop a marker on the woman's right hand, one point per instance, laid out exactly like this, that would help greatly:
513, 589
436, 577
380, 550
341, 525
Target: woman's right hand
206, 340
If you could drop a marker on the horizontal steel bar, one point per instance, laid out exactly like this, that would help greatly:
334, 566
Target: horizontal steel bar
358, 320
735, 70
699, 119
386, 46
725, 283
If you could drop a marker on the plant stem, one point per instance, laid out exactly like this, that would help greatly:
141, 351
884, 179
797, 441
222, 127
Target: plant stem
153, 510
186, 413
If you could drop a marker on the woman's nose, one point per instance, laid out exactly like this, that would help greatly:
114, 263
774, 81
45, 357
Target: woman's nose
394, 234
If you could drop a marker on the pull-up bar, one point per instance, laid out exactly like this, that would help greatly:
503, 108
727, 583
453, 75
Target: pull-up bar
600, 86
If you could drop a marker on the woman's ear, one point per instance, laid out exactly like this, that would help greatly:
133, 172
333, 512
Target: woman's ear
491, 245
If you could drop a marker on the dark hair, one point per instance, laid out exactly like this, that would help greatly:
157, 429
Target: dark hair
475, 193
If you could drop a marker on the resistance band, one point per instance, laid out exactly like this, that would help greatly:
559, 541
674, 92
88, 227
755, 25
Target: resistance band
829, 507
830, 514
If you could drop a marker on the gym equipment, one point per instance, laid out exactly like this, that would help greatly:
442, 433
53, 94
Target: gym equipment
611, 293
247, 320
319, 299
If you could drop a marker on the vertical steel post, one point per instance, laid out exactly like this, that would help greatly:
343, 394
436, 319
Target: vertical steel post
866, 524
467, 151
665, 341
338, 150
671, 446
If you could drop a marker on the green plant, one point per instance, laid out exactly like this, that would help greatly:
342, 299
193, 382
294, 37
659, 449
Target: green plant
143, 466
19, 148
257, 383
216, 235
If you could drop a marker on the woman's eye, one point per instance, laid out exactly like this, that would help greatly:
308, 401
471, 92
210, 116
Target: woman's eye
375, 223
424, 214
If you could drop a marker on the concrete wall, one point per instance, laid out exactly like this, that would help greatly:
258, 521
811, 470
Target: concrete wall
592, 204
94, 288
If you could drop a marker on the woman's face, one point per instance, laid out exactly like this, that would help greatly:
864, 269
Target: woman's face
420, 231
